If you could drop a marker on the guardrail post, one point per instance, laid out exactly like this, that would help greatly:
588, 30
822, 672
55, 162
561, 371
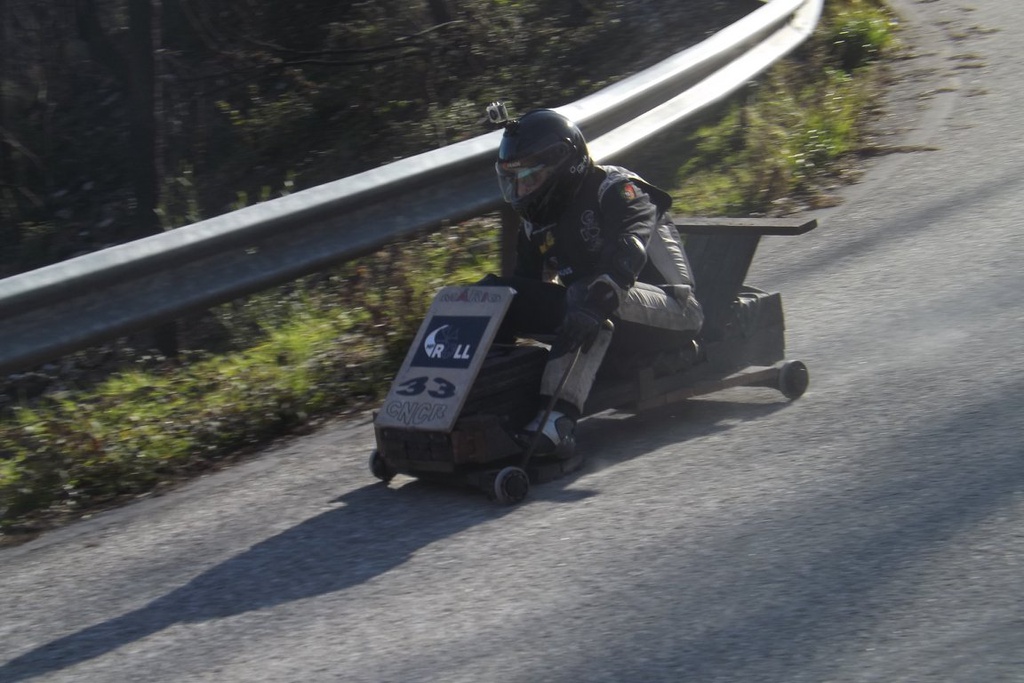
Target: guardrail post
165, 338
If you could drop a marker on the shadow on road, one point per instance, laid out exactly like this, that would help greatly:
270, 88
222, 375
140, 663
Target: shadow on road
376, 529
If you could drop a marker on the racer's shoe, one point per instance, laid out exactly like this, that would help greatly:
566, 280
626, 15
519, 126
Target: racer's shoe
556, 436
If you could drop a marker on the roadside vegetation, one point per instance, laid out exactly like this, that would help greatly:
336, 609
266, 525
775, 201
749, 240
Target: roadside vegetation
134, 423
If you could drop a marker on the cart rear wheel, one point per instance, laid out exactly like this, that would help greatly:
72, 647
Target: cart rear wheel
793, 379
379, 468
511, 485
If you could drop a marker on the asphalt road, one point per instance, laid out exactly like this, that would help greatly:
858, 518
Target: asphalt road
871, 531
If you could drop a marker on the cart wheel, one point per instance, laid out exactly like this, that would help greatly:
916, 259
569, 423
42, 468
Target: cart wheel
793, 379
379, 468
511, 485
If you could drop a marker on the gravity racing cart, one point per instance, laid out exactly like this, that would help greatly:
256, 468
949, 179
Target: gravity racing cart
457, 404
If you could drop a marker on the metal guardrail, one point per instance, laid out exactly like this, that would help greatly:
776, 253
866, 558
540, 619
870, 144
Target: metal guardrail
92, 298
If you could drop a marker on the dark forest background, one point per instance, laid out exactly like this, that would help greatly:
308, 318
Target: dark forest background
122, 118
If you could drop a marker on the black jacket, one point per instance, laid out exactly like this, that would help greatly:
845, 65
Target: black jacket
611, 202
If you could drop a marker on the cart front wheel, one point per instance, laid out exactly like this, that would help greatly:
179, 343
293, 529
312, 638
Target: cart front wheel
379, 468
511, 485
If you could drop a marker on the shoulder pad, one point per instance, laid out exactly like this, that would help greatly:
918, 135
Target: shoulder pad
617, 174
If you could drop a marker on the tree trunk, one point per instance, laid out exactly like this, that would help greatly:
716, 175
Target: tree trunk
143, 135
579, 12
142, 76
440, 11
137, 71
5, 176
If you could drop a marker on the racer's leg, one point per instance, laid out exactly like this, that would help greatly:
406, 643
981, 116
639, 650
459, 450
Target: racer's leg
651, 306
651, 319
576, 387
538, 308
570, 390
648, 318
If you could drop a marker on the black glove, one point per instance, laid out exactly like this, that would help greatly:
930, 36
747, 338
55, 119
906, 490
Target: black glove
583, 321
578, 330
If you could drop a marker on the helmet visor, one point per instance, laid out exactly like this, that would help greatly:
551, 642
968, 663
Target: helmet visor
519, 180
523, 178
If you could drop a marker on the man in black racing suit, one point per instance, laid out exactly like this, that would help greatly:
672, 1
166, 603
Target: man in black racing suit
596, 244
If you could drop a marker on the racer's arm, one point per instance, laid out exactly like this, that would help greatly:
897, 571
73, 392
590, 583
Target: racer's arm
629, 218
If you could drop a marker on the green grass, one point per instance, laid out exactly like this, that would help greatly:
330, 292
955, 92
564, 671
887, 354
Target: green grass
318, 348
329, 344
144, 426
781, 143
784, 138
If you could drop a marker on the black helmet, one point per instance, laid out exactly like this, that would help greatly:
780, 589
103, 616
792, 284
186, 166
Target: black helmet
541, 163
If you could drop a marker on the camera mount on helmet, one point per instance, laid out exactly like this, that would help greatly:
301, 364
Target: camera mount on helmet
497, 113
542, 160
